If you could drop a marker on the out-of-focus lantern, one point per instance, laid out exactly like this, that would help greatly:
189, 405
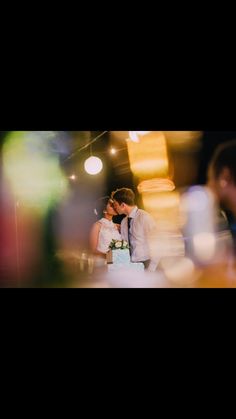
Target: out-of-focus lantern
149, 162
148, 157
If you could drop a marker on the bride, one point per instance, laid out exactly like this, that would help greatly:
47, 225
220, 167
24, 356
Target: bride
104, 230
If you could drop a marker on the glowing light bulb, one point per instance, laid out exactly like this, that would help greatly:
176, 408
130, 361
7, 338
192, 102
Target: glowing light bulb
93, 165
113, 151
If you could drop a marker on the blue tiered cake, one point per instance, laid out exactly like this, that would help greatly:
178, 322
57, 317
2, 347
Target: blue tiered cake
119, 259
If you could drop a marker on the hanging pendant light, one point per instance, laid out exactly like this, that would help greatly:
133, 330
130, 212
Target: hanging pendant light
93, 165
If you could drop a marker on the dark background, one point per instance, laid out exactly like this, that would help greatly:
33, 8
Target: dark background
210, 141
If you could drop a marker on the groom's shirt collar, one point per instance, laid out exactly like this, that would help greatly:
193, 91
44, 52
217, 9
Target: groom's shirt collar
133, 212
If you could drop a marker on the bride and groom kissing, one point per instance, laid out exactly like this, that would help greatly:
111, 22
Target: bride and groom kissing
136, 228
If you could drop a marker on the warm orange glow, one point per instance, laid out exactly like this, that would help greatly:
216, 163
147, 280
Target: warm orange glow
164, 207
156, 185
184, 139
179, 270
204, 246
161, 201
148, 157
135, 135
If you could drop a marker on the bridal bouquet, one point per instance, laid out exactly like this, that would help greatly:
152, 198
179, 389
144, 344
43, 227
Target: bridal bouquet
118, 244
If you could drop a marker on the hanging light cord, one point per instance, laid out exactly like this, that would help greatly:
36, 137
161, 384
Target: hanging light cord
85, 146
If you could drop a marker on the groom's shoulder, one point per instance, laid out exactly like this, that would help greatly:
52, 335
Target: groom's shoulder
143, 213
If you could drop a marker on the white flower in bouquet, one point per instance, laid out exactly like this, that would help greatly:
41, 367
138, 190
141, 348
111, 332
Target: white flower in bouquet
118, 244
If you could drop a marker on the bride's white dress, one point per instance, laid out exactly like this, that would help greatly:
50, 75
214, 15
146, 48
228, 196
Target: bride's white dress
107, 233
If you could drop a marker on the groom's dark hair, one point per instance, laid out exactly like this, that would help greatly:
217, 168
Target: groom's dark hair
124, 195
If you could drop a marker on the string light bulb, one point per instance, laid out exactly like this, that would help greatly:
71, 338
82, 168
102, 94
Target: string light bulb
113, 151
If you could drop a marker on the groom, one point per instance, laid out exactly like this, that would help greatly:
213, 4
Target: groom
136, 227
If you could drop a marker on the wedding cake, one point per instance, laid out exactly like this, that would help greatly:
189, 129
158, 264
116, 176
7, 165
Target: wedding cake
118, 257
